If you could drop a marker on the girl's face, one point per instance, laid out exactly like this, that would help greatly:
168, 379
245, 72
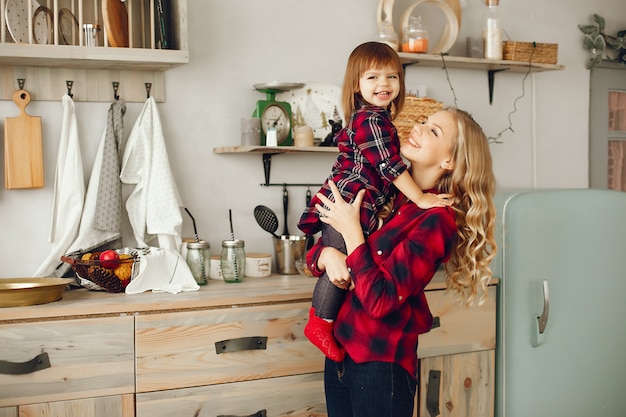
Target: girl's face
379, 86
431, 141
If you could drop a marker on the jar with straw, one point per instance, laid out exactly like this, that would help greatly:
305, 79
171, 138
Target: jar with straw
233, 258
198, 256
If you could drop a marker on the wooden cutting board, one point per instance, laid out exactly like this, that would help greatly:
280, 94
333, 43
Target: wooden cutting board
115, 17
23, 153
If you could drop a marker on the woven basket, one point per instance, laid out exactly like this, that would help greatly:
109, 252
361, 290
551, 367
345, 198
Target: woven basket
93, 276
414, 109
541, 53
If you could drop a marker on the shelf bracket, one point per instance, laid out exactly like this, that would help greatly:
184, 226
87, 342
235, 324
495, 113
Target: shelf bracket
491, 75
267, 166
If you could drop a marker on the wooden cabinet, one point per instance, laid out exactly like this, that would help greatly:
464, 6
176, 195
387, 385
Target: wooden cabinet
71, 365
228, 349
235, 361
457, 358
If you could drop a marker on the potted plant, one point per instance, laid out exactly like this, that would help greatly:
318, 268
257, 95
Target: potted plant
597, 42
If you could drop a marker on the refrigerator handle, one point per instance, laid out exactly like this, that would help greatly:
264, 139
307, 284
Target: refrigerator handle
542, 320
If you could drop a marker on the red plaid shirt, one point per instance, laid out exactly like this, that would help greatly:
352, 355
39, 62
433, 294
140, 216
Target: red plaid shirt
380, 320
369, 157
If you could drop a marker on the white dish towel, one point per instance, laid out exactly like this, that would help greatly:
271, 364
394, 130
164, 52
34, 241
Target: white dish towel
154, 205
162, 270
69, 192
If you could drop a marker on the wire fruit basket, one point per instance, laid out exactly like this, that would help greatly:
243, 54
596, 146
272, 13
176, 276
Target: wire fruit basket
414, 109
111, 275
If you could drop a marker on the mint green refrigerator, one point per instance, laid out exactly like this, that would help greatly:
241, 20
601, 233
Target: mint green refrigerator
561, 335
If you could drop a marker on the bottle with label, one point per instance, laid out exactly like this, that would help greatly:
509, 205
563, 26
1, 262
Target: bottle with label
233, 260
198, 259
492, 31
415, 36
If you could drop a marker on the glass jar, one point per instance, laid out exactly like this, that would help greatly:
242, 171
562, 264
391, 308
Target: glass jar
492, 31
198, 259
387, 35
233, 260
414, 36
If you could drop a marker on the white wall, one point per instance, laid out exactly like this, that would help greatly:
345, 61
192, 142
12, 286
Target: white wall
237, 43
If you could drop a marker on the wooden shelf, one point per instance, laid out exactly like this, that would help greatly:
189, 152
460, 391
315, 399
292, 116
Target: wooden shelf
67, 56
274, 149
461, 62
268, 151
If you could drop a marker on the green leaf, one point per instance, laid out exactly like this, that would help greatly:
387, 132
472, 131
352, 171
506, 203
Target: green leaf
588, 42
614, 43
599, 42
600, 21
588, 29
594, 62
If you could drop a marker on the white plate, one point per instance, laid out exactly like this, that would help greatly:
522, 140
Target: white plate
16, 16
316, 102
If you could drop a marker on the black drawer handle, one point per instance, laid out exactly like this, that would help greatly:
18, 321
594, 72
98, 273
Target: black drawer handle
432, 393
39, 362
261, 413
242, 343
436, 323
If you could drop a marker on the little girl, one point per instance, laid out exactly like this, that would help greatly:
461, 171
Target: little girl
368, 158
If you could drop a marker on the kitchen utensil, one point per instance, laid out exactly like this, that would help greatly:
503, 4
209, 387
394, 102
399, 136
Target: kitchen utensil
115, 17
267, 219
285, 208
18, 292
23, 153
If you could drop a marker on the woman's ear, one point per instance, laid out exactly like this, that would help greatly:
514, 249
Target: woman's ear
447, 165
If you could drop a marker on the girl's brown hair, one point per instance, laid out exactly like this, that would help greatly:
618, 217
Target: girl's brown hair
365, 57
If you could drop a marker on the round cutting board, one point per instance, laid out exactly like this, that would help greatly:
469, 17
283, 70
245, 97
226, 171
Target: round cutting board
115, 17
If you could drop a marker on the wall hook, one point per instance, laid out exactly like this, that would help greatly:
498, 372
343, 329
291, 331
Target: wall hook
69, 84
148, 87
116, 86
20, 83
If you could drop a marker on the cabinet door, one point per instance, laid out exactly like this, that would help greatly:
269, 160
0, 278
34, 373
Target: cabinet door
203, 347
289, 396
83, 358
115, 406
457, 385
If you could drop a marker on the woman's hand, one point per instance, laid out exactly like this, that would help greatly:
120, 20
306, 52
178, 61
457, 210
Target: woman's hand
343, 217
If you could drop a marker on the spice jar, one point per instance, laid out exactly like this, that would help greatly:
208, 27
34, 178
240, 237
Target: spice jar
233, 260
414, 36
198, 259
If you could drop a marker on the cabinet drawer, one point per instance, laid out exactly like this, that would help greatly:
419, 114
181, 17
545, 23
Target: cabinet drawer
87, 358
292, 396
461, 329
178, 350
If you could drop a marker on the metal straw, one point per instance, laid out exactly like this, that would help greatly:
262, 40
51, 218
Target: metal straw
195, 232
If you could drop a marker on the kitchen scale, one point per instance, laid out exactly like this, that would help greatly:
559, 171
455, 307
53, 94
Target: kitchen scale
275, 115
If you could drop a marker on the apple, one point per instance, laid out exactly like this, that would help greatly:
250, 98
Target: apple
109, 259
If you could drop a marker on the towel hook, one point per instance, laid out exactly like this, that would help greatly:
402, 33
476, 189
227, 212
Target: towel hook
69, 84
20, 83
116, 85
148, 88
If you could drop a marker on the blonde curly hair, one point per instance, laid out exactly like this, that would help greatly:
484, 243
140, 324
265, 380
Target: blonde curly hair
473, 185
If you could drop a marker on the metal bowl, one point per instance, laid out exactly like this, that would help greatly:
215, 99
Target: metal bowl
18, 292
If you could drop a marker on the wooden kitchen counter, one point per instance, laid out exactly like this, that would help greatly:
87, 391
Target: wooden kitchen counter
216, 294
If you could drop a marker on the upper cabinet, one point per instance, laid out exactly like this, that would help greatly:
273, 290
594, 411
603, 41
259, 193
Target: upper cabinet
133, 36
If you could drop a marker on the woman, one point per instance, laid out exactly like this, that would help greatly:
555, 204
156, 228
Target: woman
379, 322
